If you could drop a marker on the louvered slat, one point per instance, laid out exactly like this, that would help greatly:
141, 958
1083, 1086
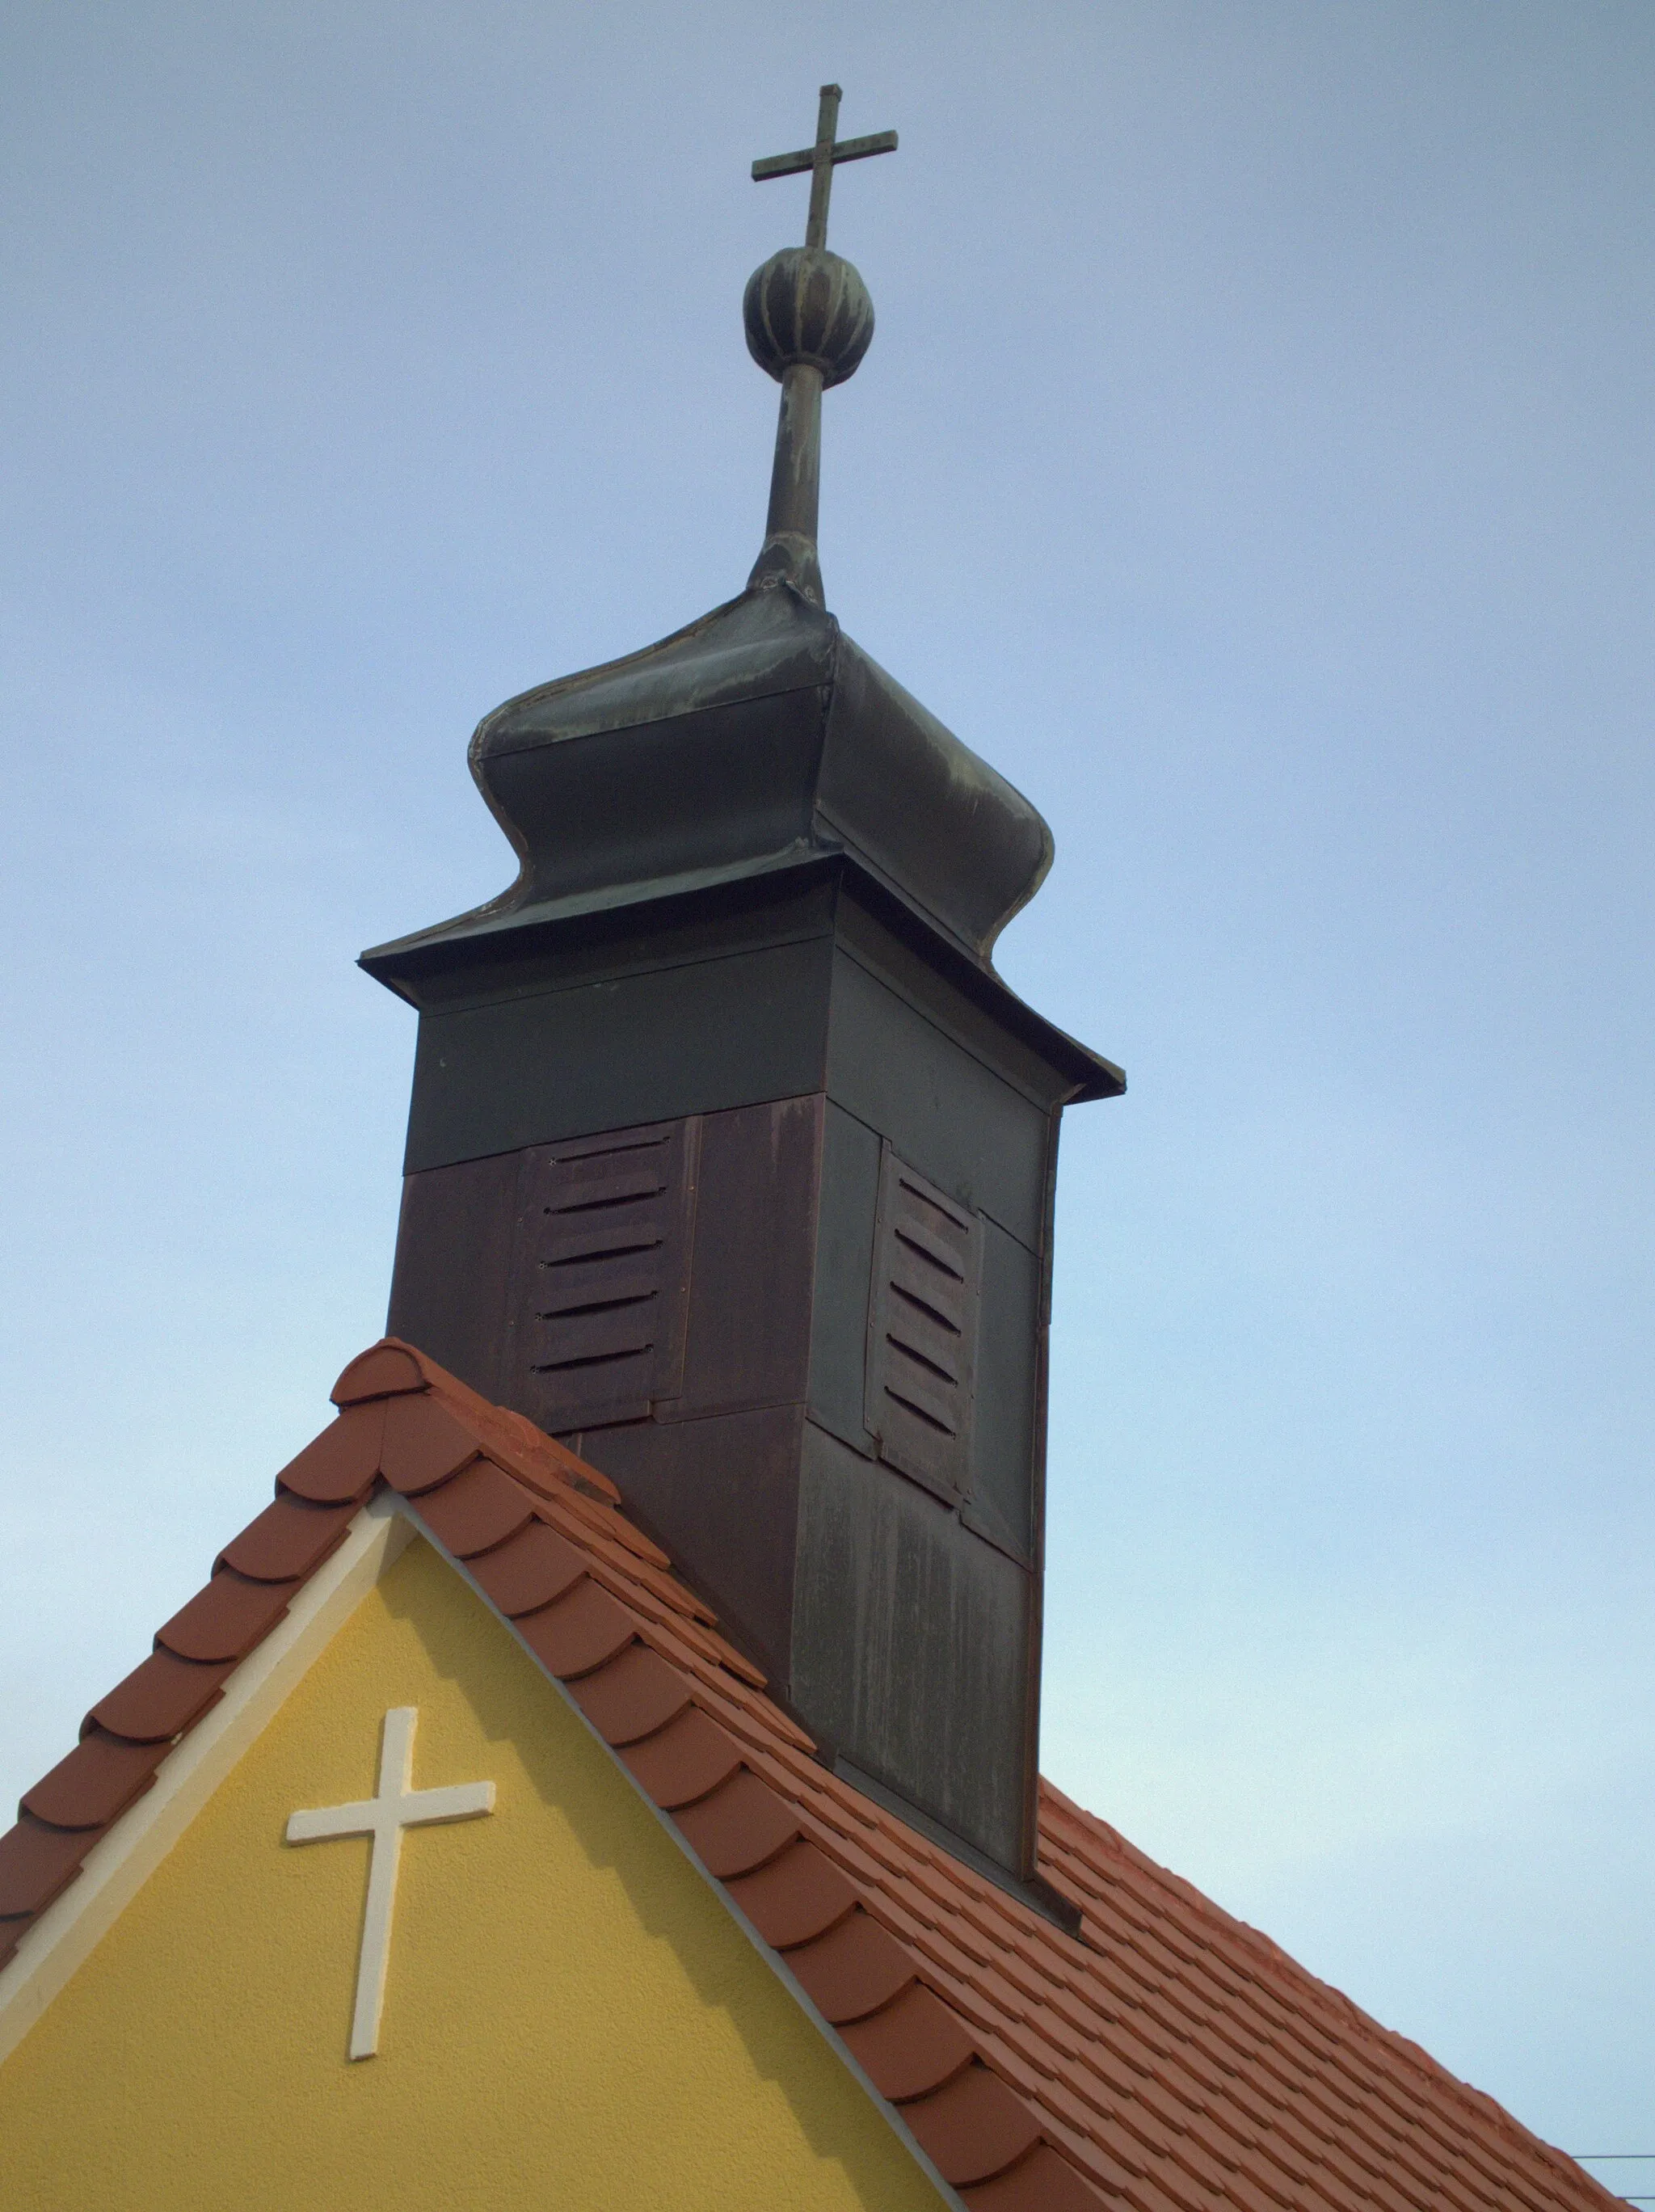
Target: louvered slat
602, 1331
588, 1285
922, 1329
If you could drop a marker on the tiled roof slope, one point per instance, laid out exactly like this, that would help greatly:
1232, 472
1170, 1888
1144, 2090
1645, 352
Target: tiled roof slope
1167, 2057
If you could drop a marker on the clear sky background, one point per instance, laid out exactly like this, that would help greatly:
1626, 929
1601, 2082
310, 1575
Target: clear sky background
1254, 462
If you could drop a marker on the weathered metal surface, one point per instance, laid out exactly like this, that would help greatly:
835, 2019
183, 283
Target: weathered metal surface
654, 1044
847, 149
600, 1280
456, 1242
722, 1495
808, 322
806, 307
822, 159
922, 1329
789, 555
944, 1110
912, 1647
766, 1277
731, 1157
757, 740
1007, 1410
847, 1224
755, 1216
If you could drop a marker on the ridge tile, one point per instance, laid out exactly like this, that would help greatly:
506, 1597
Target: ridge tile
226, 1618
795, 1897
973, 2127
99, 1779
911, 2047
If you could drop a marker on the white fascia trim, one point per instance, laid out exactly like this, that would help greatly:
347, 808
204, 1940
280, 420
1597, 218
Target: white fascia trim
128, 1853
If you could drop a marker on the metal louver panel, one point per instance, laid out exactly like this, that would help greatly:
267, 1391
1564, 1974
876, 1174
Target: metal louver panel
604, 1289
922, 1329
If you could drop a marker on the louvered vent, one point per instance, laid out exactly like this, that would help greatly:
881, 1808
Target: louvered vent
606, 1285
922, 1329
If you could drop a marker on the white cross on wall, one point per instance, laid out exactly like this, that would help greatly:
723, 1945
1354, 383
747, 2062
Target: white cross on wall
397, 1806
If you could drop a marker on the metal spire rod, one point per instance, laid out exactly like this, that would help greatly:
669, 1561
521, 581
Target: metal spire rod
809, 321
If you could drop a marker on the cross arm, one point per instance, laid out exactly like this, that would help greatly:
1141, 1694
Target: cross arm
847, 149
461, 1801
358, 1819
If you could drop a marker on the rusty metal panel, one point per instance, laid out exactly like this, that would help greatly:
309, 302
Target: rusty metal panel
722, 1496
914, 1642
846, 1223
749, 1331
1006, 1424
603, 1273
922, 1328
450, 1285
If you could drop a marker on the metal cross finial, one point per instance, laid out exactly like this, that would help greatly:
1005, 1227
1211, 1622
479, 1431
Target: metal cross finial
820, 159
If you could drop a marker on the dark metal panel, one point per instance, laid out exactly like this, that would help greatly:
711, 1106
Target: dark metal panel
450, 1284
924, 809
674, 797
844, 1260
910, 1647
602, 1274
649, 1047
555, 946
971, 1132
752, 647
1001, 1486
976, 1010
721, 1495
922, 1328
750, 1316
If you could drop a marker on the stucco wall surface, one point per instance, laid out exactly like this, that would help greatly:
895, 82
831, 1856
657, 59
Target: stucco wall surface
571, 2017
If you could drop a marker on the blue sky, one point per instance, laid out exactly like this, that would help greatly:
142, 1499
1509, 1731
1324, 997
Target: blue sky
1254, 461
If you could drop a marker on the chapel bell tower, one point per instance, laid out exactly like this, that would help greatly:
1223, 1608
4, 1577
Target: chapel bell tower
731, 1158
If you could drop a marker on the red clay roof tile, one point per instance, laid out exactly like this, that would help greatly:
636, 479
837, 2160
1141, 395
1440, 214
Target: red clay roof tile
1167, 2057
1042, 2182
741, 1825
424, 1444
855, 1969
289, 1540
226, 1618
683, 1761
480, 1508
1250, 2198
578, 1631
1166, 2183
99, 1779
383, 1371
158, 1699
798, 1896
535, 1568
338, 1468
973, 2127
635, 1694
909, 2047
1210, 2173
35, 1862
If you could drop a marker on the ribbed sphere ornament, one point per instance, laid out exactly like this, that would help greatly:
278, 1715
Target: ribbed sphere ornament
807, 305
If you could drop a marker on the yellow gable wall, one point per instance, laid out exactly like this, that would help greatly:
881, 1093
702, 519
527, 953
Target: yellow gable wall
571, 2019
